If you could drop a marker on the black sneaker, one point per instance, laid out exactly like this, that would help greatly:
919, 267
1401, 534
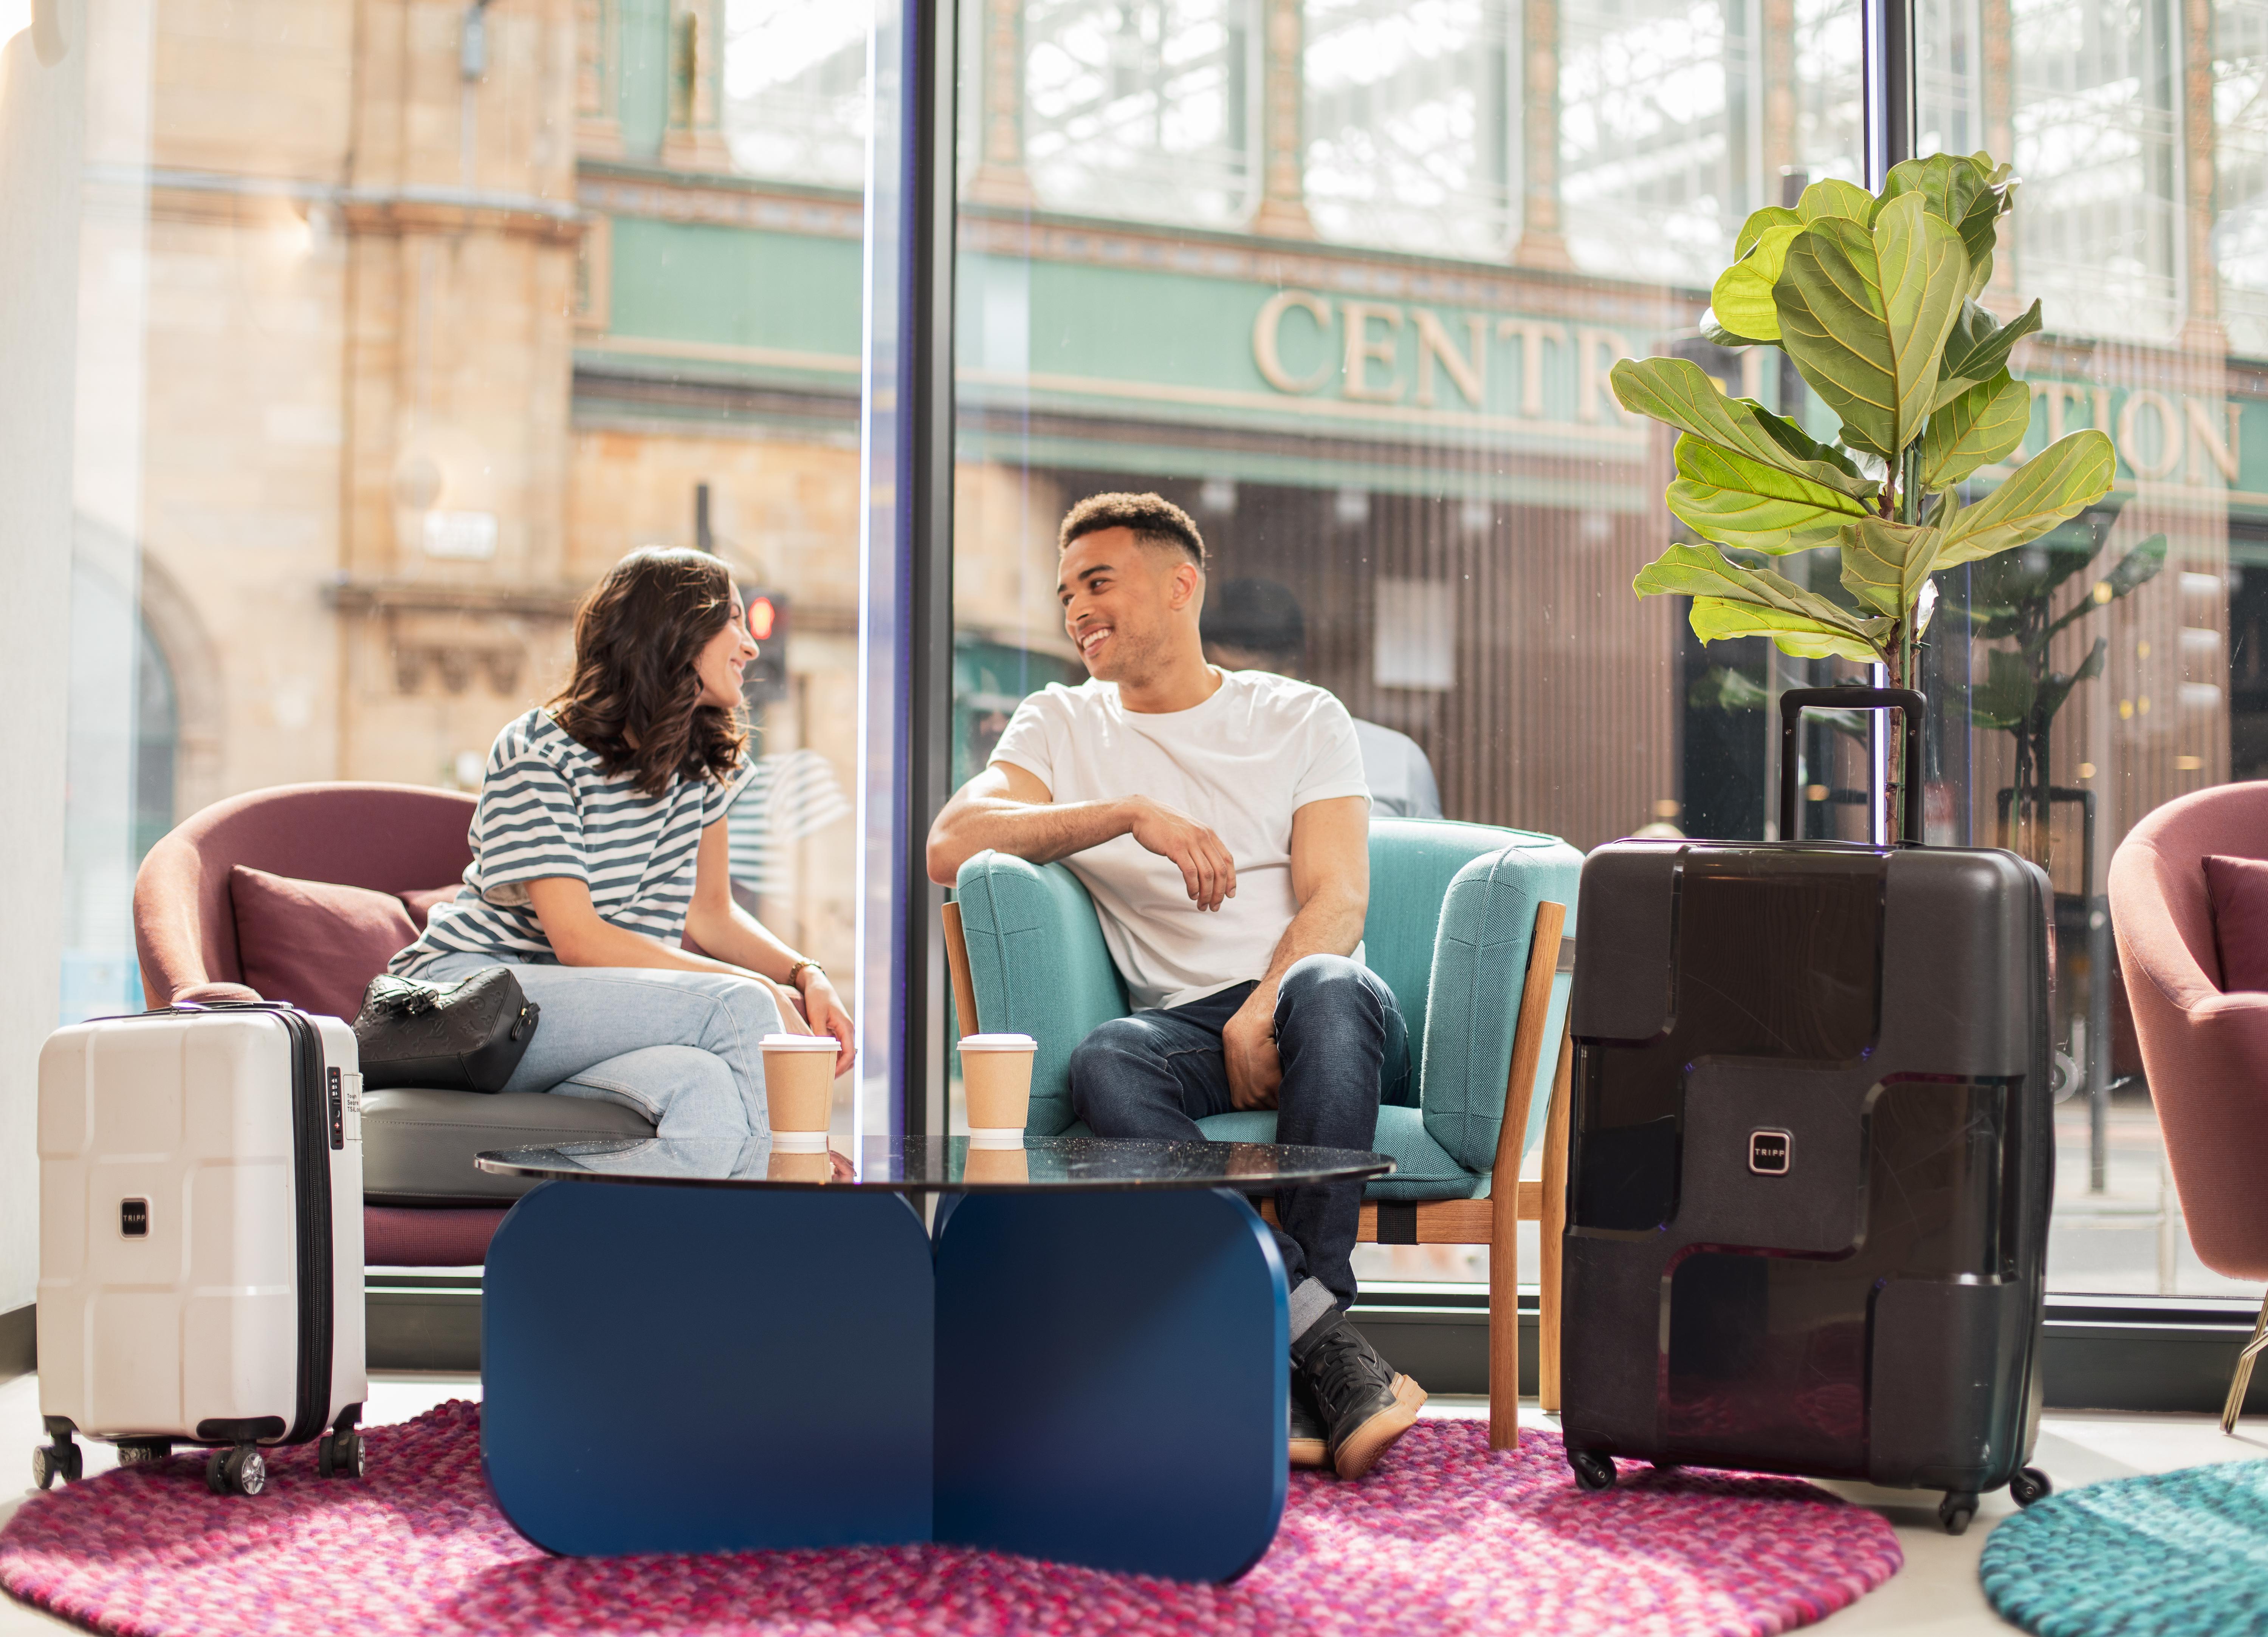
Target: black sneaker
1364, 1404
1309, 1433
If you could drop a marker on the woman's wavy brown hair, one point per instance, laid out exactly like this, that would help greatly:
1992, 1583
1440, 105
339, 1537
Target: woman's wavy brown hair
635, 699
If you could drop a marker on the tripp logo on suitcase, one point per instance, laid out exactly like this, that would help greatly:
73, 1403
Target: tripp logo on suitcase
1873, 1313
201, 1239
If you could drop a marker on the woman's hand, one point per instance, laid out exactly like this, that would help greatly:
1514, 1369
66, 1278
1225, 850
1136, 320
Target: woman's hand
829, 1016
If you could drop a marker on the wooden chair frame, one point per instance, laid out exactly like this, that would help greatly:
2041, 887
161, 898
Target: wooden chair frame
1492, 1222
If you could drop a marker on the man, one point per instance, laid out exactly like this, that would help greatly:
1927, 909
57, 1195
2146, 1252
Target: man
1256, 625
1220, 822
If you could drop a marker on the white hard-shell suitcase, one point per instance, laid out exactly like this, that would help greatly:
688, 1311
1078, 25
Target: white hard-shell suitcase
201, 1239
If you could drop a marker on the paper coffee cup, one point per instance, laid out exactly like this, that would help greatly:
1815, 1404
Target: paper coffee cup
996, 1074
799, 1089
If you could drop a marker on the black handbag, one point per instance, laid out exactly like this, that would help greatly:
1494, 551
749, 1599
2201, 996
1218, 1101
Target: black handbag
465, 1036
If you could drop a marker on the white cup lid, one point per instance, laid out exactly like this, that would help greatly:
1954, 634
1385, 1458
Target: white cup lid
998, 1043
797, 1043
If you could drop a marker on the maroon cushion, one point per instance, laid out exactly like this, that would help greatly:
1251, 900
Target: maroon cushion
315, 943
420, 901
428, 1235
2238, 888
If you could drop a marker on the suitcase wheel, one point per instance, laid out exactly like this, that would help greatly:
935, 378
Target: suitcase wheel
60, 1459
1595, 1472
2029, 1486
339, 1454
143, 1451
1955, 1511
242, 1471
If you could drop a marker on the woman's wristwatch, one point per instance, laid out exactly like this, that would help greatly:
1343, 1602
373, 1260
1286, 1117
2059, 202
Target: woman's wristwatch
795, 970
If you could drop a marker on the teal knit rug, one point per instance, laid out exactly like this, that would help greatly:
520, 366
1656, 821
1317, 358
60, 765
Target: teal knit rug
2176, 1554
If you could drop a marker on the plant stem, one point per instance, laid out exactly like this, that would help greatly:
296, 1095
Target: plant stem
1906, 473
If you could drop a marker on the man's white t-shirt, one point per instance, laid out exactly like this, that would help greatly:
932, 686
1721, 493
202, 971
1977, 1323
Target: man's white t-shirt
1242, 763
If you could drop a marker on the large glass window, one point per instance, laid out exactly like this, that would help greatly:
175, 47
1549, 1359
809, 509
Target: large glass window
2113, 667
379, 371
1381, 394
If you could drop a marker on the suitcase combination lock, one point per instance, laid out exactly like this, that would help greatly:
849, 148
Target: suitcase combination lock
1768, 1152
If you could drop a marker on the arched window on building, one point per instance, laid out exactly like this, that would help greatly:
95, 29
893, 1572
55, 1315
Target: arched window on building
1142, 109
1667, 137
795, 90
1410, 123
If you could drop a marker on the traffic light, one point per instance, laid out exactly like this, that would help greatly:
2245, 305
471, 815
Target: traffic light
765, 678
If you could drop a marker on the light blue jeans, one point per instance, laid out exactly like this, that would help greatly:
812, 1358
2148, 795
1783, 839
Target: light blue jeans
680, 1047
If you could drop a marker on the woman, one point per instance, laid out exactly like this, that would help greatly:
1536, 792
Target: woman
599, 840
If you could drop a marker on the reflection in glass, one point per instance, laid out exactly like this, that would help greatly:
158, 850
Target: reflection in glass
1680, 117
1383, 397
2096, 115
1141, 109
945, 1165
2101, 677
795, 90
1409, 123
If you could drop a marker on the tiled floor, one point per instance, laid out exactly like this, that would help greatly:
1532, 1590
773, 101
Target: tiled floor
1936, 1593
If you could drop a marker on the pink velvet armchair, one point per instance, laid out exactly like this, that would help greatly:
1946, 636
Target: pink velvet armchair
2205, 1052
390, 837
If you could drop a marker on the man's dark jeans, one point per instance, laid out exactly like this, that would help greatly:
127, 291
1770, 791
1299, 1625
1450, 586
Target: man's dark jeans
1340, 1034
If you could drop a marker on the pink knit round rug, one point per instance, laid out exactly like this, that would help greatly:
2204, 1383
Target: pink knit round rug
1442, 1536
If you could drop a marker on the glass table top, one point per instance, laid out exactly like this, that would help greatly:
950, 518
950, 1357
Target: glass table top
942, 1164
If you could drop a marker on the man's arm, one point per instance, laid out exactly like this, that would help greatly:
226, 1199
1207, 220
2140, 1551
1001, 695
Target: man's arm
1330, 878
1008, 810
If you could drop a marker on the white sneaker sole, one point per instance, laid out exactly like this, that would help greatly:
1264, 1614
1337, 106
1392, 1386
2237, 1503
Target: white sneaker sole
1370, 1440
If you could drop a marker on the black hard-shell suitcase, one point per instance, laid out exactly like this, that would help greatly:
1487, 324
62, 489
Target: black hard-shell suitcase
1812, 1156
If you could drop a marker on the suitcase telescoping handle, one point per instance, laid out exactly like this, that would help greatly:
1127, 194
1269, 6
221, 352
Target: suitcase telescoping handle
1796, 701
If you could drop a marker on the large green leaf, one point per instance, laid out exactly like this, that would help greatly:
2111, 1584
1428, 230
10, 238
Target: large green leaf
1718, 618
2069, 474
1753, 229
1965, 191
1833, 198
1771, 603
1741, 298
1865, 313
1979, 347
1886, 564
1735, 500
1974, 430
1679, 393
1948, 182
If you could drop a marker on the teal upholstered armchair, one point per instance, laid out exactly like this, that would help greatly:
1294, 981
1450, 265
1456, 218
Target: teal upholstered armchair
1453, 916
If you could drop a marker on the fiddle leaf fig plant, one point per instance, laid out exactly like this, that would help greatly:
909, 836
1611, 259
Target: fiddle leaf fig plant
1873, 298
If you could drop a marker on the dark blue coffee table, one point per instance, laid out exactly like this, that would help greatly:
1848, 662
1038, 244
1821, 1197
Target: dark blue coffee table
1083, 1359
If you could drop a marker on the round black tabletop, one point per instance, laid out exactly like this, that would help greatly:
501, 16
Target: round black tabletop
942, 1164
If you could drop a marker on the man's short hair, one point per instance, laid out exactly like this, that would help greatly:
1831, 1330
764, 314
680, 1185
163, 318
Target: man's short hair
1155, 521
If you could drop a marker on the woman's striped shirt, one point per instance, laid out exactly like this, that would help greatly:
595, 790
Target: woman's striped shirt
546, 809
